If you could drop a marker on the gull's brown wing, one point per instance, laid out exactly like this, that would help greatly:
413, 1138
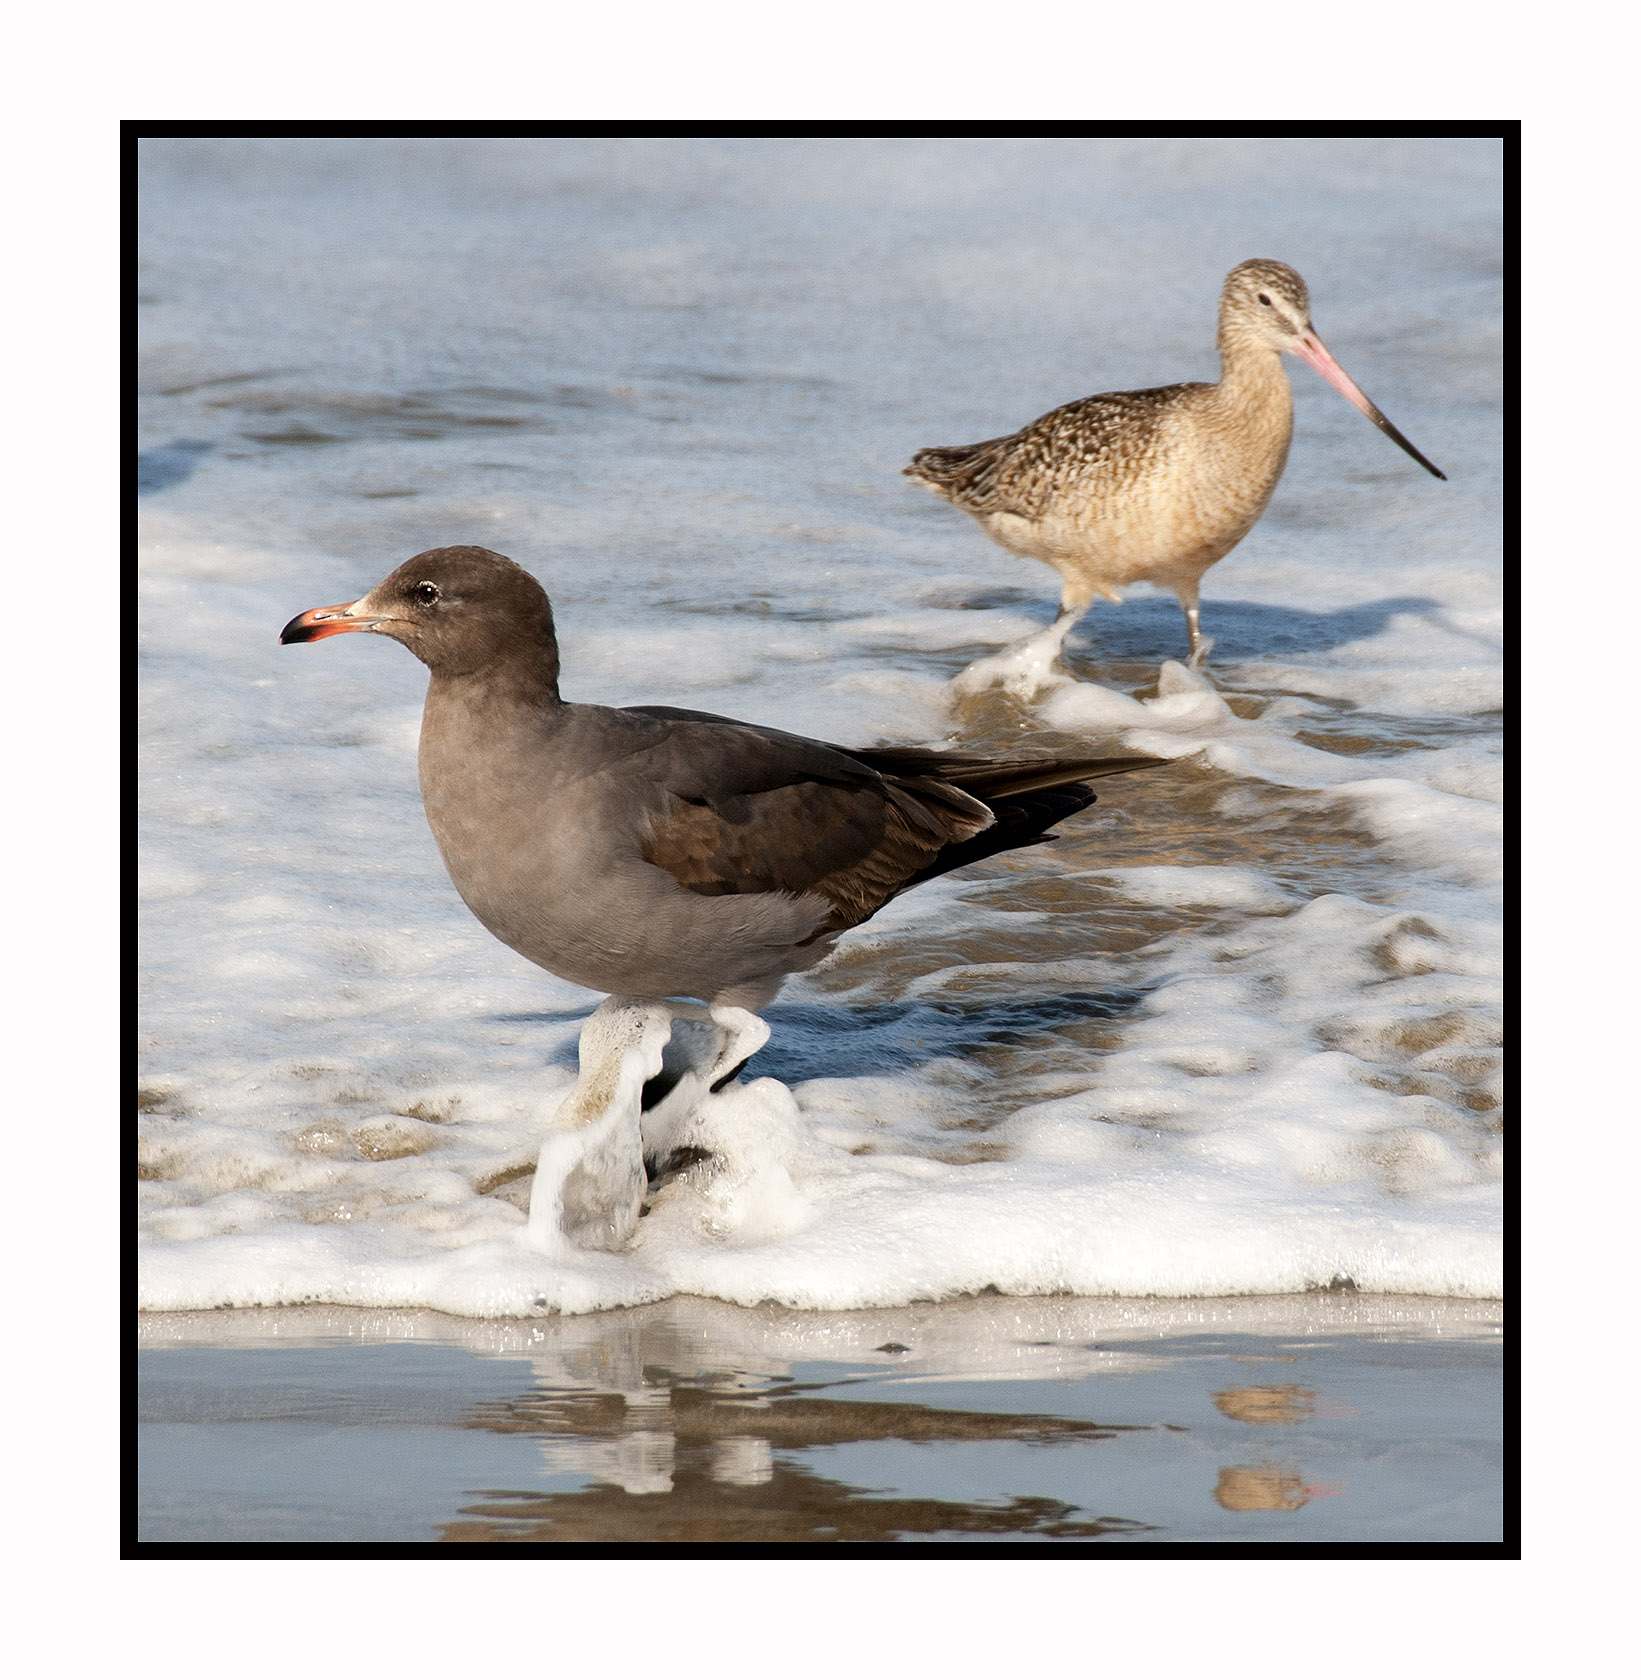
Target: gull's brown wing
751, 810
746, 810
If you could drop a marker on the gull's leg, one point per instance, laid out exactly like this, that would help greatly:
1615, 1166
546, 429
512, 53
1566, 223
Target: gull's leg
744, 1035
589, 1181
700, 1064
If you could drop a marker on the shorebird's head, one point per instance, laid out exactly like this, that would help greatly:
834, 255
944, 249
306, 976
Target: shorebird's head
1265, 301
459, 610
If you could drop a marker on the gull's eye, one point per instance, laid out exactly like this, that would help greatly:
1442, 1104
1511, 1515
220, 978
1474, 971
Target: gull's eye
1264, 300
426, 593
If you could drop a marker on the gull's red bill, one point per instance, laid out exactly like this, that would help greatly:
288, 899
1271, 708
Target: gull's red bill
320, 622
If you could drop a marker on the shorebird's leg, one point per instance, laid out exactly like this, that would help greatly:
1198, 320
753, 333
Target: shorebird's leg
1074, 602
1200, 644
1034, 658
1024, 667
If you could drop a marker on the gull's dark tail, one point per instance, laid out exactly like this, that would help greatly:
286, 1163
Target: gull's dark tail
1027, 797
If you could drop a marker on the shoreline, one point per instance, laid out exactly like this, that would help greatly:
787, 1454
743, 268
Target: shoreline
1116, 1317
986, 1420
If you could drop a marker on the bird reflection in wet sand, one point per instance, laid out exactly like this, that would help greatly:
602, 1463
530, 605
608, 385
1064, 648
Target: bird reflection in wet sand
702, 1464
1269, 1487
1269, 1403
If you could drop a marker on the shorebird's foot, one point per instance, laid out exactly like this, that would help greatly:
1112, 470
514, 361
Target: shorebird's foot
1200, 649
1024, 669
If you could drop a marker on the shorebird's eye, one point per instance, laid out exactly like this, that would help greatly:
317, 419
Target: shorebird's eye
426, 593
1264, 300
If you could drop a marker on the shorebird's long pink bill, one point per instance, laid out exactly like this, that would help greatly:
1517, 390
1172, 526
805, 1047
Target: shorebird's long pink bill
1311, 349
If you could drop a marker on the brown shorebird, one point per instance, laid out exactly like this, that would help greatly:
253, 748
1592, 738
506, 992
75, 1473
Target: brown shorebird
659, 853
1150, 486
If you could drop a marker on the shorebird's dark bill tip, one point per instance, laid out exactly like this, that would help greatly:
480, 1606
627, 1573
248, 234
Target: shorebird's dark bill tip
297, 631
1396, 437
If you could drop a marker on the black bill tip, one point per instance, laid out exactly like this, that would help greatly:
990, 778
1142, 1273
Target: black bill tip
1396, 437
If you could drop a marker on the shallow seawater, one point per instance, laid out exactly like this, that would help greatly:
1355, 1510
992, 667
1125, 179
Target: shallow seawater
1038, 1422
1236, 1031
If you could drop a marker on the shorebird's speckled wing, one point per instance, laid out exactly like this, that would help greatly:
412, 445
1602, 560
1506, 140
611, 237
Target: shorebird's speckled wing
1079, 453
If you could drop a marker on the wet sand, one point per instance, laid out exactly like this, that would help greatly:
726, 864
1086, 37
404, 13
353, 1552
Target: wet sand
1310, 1419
